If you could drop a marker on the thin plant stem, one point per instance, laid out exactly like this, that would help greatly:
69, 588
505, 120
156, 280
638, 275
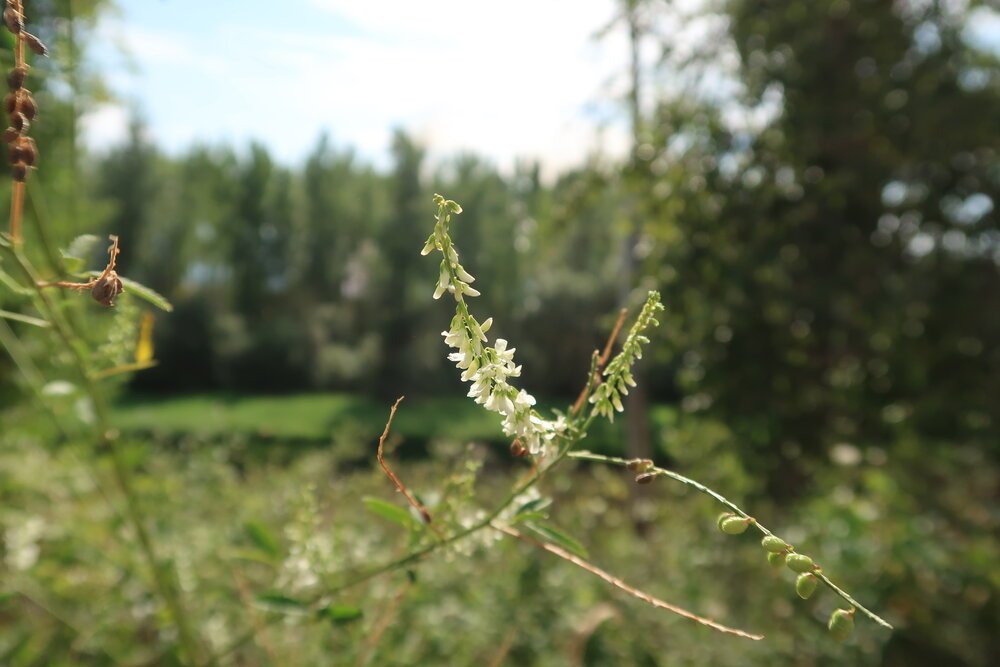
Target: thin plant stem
621, 585
107, 441
663, 472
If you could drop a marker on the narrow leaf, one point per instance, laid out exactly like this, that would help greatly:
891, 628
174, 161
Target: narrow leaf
389, 511
25, 319
262, 538
280, 603
79, 250
560, 538
340, 614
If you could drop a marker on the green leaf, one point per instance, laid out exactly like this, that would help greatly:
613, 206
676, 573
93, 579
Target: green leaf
262, 538
7, 595
560, 538
389, 511
340, 614
534, 506
26, 319
281, 604
523, 517
13, 285
79, 250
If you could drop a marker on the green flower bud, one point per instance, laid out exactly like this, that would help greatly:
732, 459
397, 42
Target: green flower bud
806, 585
774, 544
734, 525
777, 560
800, 563
723, 517
842, 624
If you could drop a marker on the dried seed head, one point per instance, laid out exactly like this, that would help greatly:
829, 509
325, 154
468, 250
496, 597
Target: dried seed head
16, 77
20, 172
14, 154
107, 288
842, 624
29, 152
19, 122
806, 585
35, 44
639, 465
799, 563
10, 135
13, 20
10, 103
26, 104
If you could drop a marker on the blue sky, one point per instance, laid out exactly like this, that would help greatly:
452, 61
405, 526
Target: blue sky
518, 78
504, 79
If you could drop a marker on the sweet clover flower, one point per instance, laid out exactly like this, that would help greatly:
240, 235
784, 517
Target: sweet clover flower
607, 397
488, 369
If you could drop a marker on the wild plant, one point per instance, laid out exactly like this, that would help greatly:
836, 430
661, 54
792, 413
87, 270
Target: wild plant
543, 440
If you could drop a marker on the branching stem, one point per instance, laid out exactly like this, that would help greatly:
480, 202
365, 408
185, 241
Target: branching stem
663, 472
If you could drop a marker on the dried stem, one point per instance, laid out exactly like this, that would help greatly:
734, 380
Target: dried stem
663, 472
416, 504
618, 583
598, 362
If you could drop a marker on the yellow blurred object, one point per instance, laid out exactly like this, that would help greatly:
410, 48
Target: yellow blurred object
144, 347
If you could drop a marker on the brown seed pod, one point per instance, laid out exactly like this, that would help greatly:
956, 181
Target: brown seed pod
19, 122
645, 478
35, 44
10, 135
29, 152
107, 288
517, 449
26, 104
13, 20
10, 103
16, 77
14, 154
20, 172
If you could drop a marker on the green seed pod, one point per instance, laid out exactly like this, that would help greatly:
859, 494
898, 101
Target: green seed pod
800, 563
734, 525
806, 585
841, 624
774, 544
777, 560
723, 517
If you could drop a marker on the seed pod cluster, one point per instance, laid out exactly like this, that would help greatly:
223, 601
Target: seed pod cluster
19, 104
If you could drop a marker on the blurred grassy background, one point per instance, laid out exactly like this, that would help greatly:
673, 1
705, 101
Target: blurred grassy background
811, 185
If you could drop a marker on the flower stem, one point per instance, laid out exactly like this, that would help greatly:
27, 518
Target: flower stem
663, 472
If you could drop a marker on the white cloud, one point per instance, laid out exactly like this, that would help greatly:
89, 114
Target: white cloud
508, 80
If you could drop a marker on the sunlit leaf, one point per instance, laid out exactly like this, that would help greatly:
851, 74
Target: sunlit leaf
559, 538
79, 250
281, 604
340, 613
389, 511
25, 319
262, 538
